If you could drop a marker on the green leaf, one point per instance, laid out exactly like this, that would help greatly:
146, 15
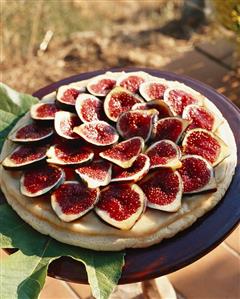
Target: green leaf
13, 105
103, 268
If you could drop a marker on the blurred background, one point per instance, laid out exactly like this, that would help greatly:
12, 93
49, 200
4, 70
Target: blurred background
47, 40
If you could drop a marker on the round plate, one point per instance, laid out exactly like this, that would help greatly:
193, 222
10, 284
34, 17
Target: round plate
194, 242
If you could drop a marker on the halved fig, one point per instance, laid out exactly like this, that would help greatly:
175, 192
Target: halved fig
43, 111
164, 153
38, 181
124, 153
134, 173
64, 123
131, 81
89, 108
67, 94
205, 144
170, 128
180, 97
67, 154
31, 133
96, 174
136, 123
101, 85
24, 155
197, 174
72, 200
121, 205
119, 100
159, 105
97, 133
163, 189
201, 117
153, 90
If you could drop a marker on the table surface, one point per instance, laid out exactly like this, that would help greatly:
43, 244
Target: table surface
191, 244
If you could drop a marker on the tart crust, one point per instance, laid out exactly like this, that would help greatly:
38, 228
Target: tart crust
90, 232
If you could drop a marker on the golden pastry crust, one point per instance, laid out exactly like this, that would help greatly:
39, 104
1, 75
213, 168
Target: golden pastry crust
90, 232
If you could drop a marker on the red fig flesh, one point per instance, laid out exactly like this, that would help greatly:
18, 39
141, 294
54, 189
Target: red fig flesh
121, 205
197, 174
64, 123
153, 90
43, 111
130, 82
67, 94
134, 173
159, 105
101, 85
72, 200
164, 153
124, 153
163, 189
97, 133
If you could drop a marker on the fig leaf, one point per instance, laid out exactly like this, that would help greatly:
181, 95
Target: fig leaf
24, 272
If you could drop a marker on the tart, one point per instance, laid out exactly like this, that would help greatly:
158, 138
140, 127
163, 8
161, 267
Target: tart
121, 160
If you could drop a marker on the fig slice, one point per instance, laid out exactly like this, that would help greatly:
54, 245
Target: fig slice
72, 200
121, 205
197, 174
134, 173
119, 100
153, 90
89, 108
132, 81
67, 94
24, 155
205, 144
164, 153
163, 189
67, 154
96, 174
159, 105
201, 117
101, 85
136, 123
180, 97
38, 181
124, 153
31, 133
43, 111
170, 128
64, 123
98, 133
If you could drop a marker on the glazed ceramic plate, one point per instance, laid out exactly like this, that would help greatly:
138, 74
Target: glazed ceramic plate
191, 244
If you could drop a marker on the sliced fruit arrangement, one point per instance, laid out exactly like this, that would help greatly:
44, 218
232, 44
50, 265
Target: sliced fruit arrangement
132, 81
201, 117
153, 90
66, 154
164, 153
179, 97
25, 155
197, 174
205, 144
163, 189
31, 133
101, 85
64, 124
97, 174
136, 172
72, 200
96, 157
121, 205
124, 153
97, 133
44, 111
162, 108
89, 107
136, 123
67, 95
118, 101
170, 128
38, 181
